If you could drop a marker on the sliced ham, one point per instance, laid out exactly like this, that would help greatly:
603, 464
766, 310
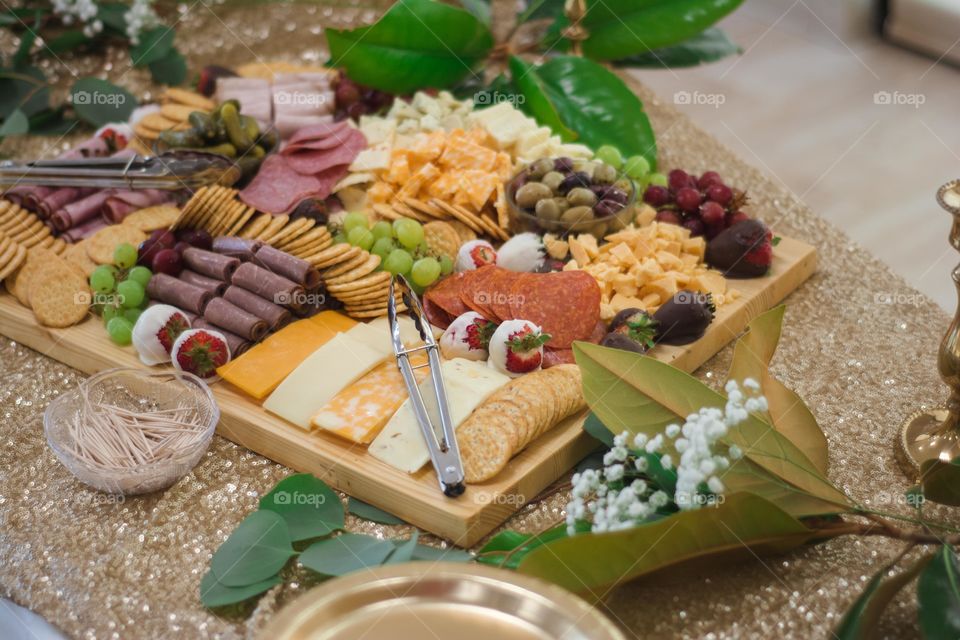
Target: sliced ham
58, 198
88, 228
315, 161
277, 188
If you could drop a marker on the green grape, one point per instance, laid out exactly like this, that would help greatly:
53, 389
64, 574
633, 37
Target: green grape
611, 155
120, 330
360, 237
141, 275
125, 255
425, 271
132, 315
398, 261
658, 179
409, 233
354, 220
340, 238
102, 280
382, 229
636, 167
109, 312
446, 265
382, 247
131, 293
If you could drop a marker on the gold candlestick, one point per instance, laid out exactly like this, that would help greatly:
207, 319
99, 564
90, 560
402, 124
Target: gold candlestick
935, 433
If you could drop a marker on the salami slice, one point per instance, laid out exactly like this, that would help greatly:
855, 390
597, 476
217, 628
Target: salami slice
214, 286
501, 286
182, 295
267, 285
319, 131
310, 161
274, 315
436, 316
446, 295
474, 292
236, 343
288, 266
240, 248
565, 304
233, 318
210, 264
277, 188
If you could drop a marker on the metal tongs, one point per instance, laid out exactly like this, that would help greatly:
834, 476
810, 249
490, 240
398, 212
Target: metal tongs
171, 171
444, 452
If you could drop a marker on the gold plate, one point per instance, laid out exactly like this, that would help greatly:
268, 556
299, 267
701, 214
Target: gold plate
439, 600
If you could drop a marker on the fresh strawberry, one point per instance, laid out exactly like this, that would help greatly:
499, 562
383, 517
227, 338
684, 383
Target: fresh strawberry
517, 347
200, 352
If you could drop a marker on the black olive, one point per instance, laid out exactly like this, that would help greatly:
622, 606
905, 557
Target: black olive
563, 164
574, 180
606, 208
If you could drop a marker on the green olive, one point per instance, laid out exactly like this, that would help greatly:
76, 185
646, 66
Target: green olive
548, 209
562, 204
581, 197
553, 179
539, 168
604, 174
599, 230
529, 194
586, 167
577, 215
624, 185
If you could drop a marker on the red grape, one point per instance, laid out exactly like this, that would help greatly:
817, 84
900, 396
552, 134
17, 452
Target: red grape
347, 92
196, 238
167, 261
712, 213
159, 240
720, 193
695, 225
678, 179
708, 179
735, 217
668, 216
689, 199
356, 110
656, 196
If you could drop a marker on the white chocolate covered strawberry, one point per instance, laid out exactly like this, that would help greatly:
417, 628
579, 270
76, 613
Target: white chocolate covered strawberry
516, 347
200, 352
468, 336
157, 328
475, 254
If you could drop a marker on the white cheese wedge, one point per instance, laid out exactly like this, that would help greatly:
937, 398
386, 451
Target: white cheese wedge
376, 333
322, 376
468, 384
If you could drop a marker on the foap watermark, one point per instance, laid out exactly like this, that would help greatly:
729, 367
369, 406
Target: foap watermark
104, 98
489, 98
301, 299
299, 497
908, 298
699, 499
892, 499
95, 498
96, 298
898, 98
498, 297
509, 499
300, 99
692, 297
699, 98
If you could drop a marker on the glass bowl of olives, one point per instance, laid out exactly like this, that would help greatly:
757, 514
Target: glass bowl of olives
564, 196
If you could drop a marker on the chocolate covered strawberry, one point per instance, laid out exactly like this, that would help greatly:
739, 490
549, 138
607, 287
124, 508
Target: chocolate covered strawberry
157, 328
516, 347
631, 330
468, 336
475, 254
200, 352
745, 250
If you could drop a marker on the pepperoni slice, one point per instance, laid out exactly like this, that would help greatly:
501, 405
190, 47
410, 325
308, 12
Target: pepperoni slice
475, 292
566, 304
502, 285
445, 294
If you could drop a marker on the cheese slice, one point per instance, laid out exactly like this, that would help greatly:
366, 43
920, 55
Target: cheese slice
468, 383
320, 377
359, 412
258, 371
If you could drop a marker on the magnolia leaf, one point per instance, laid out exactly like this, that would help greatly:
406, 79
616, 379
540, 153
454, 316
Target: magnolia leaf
536, 102
415, 45
747, 476
171, 69
743, 524
255, 551
862, 619
622, 28
788, 413
369, 512
940, 481
99, 102
310, 508
216, 594
15, 124
938, 594
709, 46
433, 554
598, 430
404, 550
639, 394
479, 8
345, 553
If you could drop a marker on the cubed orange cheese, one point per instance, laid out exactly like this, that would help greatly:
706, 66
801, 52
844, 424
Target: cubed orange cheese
261, 369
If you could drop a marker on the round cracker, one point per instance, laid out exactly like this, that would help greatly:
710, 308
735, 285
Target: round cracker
334, 254
8, 248
100, 245
156, 122
189, 209
232, 210
466, 233
256, 226
348, 262
245, 214
189, 98
294, 229
366, 315
76, 254
278, 222
215, 206
59, 295
485, 451
441, 238
308, 238
18, 282
57, 246
366, 268
152, 218
176, 112
14, 262
362, 283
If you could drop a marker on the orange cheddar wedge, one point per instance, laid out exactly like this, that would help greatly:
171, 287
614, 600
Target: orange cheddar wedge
261, 369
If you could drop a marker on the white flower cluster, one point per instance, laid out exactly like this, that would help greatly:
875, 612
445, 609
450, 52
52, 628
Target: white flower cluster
83, 11
139, 18
611, 501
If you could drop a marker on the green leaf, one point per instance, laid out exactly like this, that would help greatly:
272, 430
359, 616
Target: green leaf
216, 594
938, 594
788, 413
744, 525
598, 430
24, 88
862, 619
744, 475
256, 550
345, 553
709, 46
621, 28
593, 102
310, 508
66, 41
369, 512
27, 40
541, 10
433, 554
940, 481
537, 103
170, 69
415, 45
639, 394
52, 122
99, 102
111, 14
154, 45
508, 548
479, 8
404, 550
16, 124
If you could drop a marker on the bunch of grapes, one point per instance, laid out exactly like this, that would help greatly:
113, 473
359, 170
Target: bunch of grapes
120, 291
400, 245
705, 205
637, 168
353, 100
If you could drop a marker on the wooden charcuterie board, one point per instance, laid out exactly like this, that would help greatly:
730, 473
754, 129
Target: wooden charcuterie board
415, 498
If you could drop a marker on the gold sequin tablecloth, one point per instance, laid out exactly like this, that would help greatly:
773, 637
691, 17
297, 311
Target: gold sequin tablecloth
99, 568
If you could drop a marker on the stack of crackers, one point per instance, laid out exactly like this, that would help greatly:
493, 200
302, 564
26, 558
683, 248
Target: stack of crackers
54, 288
26, 229
514, 416
176, 105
